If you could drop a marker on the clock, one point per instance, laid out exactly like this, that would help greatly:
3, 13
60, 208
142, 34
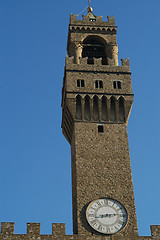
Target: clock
106, 216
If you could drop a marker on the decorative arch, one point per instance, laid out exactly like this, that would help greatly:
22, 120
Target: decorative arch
95, 108
112, 109
104, 115
87, 112
78, 107
94, 47
121, 110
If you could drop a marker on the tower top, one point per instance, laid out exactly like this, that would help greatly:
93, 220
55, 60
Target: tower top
90, 9
90, 13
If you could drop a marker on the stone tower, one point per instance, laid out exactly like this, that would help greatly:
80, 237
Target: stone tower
96, 101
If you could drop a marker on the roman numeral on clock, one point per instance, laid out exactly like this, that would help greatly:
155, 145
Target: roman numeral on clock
120, 222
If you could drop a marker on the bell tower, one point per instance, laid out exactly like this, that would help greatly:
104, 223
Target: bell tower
96, 103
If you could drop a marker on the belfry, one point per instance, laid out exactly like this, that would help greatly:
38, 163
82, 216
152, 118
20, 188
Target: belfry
97, 99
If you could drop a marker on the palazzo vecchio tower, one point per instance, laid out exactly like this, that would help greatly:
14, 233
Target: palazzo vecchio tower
96, 103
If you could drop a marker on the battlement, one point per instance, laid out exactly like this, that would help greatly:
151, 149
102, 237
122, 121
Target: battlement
33, 229
97, 64
155, 231
58, 233
86, 21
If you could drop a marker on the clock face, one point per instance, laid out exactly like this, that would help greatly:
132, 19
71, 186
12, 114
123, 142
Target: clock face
106, 216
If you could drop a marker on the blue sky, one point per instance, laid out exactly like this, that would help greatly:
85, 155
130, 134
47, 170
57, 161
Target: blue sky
35, 179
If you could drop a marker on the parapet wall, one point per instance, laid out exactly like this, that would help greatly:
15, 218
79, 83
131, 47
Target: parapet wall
58, 233
33, 232
85, 20
97, 65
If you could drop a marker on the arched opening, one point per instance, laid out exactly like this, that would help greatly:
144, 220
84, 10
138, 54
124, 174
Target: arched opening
95, 109
112, 109
94, 47
121, 110
87, 113
104, 115
78, 108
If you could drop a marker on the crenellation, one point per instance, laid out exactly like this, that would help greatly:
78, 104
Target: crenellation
33, 228
7, 228
111, 19
97, 61
69, 60
125, 62
97, 65
155, 231
58, 229
73, 18
58, 233
83, 61
110, 62
86, 20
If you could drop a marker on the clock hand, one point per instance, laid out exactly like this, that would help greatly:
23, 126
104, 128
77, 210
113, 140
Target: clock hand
115, 214
106, 215
100, 216
110, 214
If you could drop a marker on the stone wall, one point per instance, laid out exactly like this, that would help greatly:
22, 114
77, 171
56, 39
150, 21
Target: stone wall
58, 233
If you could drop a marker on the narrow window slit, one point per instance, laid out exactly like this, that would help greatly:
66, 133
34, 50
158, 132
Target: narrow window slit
100, 129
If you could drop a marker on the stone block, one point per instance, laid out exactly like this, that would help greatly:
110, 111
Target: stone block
155, 231
125, 62
58, 229
33, 228
7, 228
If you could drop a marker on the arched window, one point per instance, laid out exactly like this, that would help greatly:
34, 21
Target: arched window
87, 113
95, 109
104, 109
78, 108
121, 110
94, 46
112, 109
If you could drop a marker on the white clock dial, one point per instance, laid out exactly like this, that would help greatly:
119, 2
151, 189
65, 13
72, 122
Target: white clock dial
106, 216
